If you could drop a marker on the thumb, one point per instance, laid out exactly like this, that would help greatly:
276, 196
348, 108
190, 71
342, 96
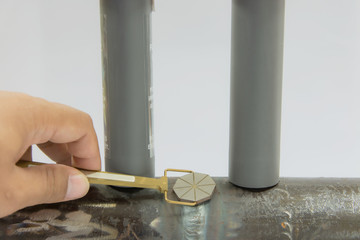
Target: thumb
48, 184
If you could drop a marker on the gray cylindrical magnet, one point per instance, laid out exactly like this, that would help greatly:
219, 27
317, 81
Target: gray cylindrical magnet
127, 86
256, 83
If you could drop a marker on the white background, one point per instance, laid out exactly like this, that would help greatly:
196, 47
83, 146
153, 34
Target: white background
51, 49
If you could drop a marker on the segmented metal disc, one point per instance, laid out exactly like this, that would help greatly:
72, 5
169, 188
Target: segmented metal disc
194, 187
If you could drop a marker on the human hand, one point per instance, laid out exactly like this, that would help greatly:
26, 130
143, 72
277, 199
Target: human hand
63, 133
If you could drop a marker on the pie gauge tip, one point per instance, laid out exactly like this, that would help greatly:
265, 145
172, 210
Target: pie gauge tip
194, 187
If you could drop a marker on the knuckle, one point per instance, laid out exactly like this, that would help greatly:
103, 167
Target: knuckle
50, 184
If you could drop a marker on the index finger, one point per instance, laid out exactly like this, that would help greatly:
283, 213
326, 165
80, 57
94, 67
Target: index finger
64, 124
28, 120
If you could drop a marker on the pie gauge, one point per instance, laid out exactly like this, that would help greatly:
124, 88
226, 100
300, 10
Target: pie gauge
191, 189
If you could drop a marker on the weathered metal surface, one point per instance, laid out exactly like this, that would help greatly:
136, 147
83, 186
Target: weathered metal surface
294, 209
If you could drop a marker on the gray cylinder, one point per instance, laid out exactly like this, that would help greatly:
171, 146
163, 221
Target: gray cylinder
256, 82
127, 86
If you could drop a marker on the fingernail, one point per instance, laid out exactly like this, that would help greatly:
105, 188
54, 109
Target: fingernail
78, 186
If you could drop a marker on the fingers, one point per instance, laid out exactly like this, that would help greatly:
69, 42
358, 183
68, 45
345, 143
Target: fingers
42, 184
75, 128
29, 120
25, 121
